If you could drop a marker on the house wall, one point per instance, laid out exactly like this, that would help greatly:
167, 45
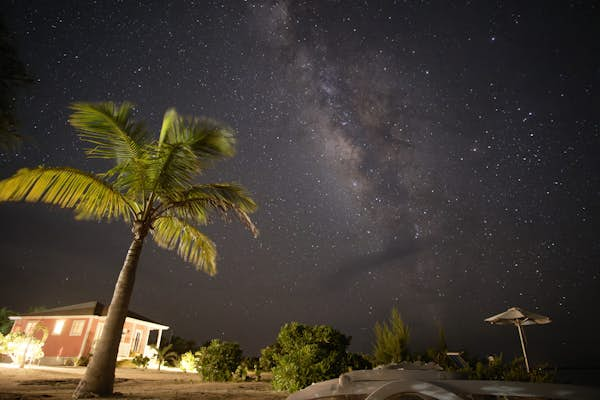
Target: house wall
88, 347
62, 348
58, 345
127, 340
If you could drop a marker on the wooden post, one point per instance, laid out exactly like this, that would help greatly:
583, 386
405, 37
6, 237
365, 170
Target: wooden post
520, 329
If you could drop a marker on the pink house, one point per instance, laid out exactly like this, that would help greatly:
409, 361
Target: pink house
74, 330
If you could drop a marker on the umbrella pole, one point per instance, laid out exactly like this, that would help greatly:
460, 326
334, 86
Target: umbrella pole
520, 329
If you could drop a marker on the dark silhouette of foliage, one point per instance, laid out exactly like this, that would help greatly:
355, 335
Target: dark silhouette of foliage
181, 345
438, 354
13, 76
494, 368
5, 323
356, 361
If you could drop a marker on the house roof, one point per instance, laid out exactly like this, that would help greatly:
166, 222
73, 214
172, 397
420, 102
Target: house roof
89, 308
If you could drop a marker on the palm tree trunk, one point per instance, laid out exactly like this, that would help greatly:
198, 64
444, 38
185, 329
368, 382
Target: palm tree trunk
99, 376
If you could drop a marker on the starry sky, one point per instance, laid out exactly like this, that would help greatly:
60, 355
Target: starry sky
437, 157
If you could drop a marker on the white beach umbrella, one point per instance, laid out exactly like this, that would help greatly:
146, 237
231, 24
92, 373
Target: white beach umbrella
519, 317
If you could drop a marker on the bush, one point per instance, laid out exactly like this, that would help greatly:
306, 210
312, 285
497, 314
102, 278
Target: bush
308, 354
140, 361
241, 373
219, 360
82, 361
188, 362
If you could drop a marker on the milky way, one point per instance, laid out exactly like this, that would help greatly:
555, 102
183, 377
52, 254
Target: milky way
438, 158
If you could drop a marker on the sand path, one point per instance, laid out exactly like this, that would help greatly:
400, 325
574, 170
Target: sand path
37, 383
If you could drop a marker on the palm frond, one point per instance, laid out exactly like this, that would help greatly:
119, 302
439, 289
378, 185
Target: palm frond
87, 194
192, 245
109, 129
207, 138
194, 211
194, 203
184, 145
130, 177
168, 120
172, 168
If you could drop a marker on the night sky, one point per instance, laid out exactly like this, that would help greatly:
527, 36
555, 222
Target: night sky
441, 157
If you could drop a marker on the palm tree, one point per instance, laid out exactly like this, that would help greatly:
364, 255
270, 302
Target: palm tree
164, 354
149, 187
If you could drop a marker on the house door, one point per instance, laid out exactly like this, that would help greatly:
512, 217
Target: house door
136, 341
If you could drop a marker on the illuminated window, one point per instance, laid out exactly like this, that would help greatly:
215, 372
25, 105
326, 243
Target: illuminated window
77, 327
58, 326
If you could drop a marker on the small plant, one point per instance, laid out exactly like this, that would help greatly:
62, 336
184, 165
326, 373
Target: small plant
257, 372
164, 354
82, 361
188, 362
140, 361
69, 362
241, 373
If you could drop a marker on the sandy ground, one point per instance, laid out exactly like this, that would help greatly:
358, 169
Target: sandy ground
37, 383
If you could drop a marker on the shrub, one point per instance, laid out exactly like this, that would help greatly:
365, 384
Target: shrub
188, 362
308, 354
140, 361
241, 373
219, 360
252, 365
82, 361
